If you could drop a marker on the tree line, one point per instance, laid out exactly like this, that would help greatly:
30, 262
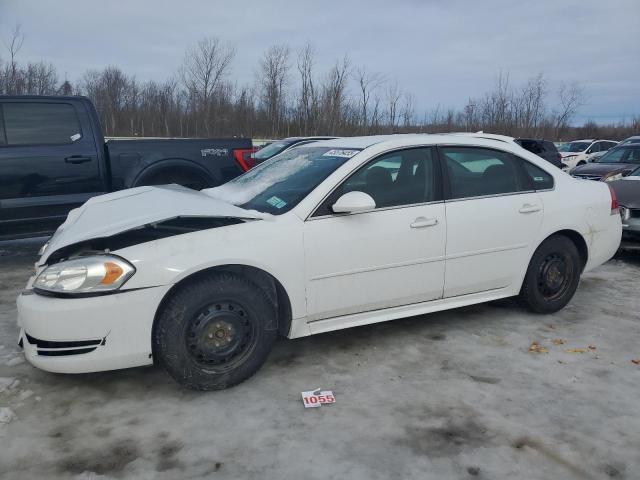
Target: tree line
289, 96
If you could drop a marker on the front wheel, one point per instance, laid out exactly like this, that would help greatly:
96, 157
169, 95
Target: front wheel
552, 277
215, 332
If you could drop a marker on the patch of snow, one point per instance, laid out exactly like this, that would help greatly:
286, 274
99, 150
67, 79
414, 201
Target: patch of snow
6, 383
6, 415
244, 188
24, 395
15, 361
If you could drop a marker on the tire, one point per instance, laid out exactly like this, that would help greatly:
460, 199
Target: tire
581, 162
552, 276
215, 332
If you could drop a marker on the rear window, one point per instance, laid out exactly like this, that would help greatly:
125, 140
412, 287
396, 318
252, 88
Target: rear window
540, 179
40, 123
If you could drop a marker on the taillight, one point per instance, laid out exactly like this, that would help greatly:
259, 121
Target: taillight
245, 158
614, 201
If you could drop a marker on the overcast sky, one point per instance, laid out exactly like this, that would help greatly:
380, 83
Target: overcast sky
444, 51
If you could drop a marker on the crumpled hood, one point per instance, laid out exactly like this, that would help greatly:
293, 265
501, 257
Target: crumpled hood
628, 191
109, 214
602, 169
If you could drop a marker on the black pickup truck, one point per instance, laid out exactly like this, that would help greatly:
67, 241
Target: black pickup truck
53, 157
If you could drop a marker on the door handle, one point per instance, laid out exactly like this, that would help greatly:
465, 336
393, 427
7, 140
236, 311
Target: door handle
75, 159
422, 222
528, 208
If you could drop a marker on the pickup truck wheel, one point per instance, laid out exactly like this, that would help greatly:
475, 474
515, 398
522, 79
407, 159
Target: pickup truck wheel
215, 332
552, 276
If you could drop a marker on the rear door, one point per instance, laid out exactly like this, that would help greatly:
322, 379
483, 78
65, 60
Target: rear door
48, 164
493, 215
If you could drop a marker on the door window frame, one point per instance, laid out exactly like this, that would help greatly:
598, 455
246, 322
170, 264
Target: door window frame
3, 124
438, 183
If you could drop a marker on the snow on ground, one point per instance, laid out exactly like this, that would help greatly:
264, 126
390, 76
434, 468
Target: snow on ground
456, 394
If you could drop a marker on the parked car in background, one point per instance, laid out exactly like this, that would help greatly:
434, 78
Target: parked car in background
543, 148
615, 164
580, 152
53, 158
326, 236
628, 192
634, 139
278, 146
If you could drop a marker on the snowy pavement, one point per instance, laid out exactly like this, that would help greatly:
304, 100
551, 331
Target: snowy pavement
456, 394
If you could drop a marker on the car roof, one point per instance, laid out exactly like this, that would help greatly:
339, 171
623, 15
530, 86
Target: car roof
413, 138
298, 139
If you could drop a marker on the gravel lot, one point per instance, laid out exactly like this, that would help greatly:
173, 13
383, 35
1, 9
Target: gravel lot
451, 395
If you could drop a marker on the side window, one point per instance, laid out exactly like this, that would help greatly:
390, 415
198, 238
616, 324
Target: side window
595, 147
40, 123
476, 172
405, 177
540, 179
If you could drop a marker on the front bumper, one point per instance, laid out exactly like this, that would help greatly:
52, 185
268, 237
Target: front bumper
90, 334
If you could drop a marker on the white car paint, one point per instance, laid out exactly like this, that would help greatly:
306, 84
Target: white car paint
571, 160
338, 271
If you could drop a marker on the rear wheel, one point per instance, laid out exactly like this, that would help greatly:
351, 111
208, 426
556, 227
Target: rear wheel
215, 332
552, 276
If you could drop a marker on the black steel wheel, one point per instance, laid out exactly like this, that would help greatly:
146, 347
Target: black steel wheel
214, 332
552, 276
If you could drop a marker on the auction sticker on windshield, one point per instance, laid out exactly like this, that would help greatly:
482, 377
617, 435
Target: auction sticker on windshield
317, 397
340, 153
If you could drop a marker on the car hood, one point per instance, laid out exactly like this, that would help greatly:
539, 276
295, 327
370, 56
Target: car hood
570, 154
113, 213
602, 169
628, 191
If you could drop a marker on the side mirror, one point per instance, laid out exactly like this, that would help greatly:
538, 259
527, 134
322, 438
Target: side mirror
354, 202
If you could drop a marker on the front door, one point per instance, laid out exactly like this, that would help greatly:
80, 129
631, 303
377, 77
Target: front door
390, 256
47, 165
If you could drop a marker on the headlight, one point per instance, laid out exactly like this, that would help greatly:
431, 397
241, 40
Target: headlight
611, 178
100, 273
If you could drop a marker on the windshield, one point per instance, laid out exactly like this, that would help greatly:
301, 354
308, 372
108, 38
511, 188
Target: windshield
271, 150
574, 147
624, 154
279, 184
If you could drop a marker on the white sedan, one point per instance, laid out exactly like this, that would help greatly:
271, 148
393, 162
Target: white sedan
327, 236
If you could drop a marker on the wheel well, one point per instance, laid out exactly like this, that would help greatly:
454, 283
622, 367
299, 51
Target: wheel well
267, 282
579, 242
169, 171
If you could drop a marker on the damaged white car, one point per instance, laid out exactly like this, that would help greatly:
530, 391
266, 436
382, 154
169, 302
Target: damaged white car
327, 236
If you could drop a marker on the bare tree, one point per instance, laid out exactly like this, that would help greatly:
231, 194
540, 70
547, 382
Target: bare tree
203, 71
308, 100
272, 77
570, 99
334, 101
368, 83
394, 94
13, 46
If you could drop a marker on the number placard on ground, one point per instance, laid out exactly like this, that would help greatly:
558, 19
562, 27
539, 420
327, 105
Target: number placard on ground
317, 398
